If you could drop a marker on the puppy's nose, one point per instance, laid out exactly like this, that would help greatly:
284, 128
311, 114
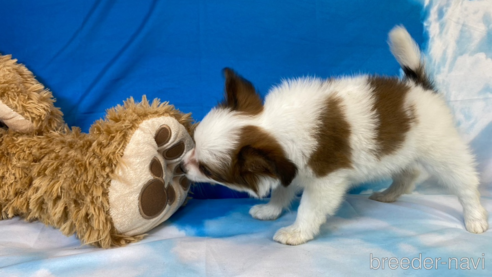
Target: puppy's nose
182, 167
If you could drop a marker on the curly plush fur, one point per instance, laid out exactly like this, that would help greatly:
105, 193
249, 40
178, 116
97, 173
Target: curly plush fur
61, 176
20, 91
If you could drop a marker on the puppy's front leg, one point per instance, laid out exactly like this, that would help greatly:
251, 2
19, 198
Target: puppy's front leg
320, 198
280, 199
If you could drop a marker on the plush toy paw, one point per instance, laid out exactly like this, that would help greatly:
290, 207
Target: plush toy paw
109, 186
150, 186
25, 105
12, 120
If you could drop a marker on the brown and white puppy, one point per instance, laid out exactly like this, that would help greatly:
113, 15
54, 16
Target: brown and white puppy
322, 136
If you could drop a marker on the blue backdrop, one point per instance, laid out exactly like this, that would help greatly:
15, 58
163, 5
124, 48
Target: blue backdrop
95, 54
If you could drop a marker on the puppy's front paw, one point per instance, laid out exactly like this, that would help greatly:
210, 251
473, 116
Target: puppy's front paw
477, 226
476, 221
293, 235
265, 212
383, 197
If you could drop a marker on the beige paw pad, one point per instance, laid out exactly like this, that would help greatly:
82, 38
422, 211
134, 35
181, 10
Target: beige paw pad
156, 168
171, 194
178, 170
150, 186
153, 199
163, 135
184, 182
174, 152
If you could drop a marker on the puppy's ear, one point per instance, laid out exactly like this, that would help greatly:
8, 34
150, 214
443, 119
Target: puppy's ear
240, 95
260, 162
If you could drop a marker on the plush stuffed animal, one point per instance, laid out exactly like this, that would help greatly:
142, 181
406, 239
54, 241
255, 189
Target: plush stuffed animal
108, 186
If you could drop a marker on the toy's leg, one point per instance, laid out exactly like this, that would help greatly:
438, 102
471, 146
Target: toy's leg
280, 199
14, 121
321, 198
25, 105
403, 182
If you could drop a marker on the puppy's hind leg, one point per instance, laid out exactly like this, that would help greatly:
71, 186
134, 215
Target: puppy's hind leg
321, 197
453, 164
403, 182
280, 199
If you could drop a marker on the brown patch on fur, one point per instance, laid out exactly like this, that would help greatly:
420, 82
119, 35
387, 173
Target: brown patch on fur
241, 95
258, 154
394, 120
333, 151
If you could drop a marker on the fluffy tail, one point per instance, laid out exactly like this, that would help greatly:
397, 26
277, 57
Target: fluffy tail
407, 53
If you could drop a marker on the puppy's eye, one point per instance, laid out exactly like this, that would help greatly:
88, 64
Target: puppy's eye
205, 171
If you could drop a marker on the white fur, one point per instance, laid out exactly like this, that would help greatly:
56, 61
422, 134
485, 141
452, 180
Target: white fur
404, 48
291, 115
220, 132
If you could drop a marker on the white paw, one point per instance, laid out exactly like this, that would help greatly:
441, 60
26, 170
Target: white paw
265, 212
293, 235
383, 197
477, 226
